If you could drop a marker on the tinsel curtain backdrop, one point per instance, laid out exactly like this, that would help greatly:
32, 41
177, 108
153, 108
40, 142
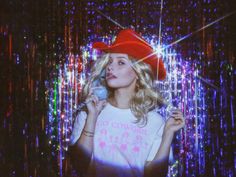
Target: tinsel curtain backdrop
46, 57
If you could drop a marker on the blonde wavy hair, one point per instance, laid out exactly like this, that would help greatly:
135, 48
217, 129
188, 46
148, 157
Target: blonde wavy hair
145, 99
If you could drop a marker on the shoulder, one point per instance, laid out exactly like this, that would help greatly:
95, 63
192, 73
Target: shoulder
155, 117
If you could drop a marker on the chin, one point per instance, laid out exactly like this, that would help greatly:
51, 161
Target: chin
116, 85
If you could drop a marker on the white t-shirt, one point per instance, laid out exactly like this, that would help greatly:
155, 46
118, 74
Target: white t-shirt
121, 146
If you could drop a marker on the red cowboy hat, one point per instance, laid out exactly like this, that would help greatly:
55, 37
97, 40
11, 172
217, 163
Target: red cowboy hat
131, 43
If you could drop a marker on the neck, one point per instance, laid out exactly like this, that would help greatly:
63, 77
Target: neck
122, 98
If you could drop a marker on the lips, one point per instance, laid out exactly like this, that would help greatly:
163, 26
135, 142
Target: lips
111, 76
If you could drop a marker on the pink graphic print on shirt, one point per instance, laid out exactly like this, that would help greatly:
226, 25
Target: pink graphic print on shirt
124, 137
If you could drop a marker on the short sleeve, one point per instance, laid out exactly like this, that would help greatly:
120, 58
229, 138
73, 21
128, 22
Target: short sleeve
156, 144
78, 127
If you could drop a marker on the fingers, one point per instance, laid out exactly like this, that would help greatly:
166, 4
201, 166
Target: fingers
177, 120
90, 91
101, 104
180, 121
94, 99
176, 114
178, 117
91, 97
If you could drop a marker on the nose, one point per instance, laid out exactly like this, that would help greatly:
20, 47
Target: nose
109, 67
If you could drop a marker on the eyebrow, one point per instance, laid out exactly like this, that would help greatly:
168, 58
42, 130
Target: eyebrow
121, 57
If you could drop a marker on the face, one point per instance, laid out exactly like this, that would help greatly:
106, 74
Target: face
119, 73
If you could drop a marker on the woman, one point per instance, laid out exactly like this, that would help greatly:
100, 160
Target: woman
123, 136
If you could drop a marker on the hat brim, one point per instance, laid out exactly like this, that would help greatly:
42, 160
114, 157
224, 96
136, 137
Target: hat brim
138, 51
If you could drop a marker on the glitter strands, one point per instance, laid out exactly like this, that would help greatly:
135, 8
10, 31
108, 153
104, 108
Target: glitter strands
45, 52
182, 89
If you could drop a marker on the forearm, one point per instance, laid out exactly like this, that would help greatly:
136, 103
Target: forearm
85, 141
82, 150
159, 165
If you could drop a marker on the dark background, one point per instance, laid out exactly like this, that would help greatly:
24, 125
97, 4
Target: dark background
34, 39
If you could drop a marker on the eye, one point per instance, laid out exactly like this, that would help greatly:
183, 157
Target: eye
121, 63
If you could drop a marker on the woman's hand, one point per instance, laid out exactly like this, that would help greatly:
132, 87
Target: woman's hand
94, 105
174, 123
